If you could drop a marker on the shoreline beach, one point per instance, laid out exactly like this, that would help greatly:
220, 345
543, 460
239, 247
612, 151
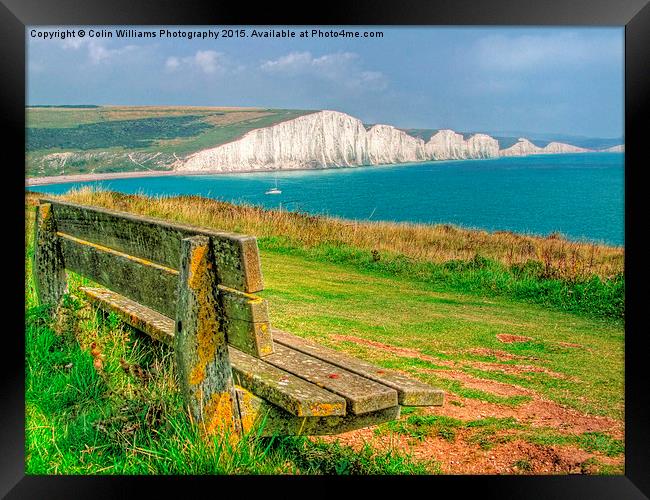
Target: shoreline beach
64, 179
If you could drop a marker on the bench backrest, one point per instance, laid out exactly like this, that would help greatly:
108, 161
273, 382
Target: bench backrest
139, 257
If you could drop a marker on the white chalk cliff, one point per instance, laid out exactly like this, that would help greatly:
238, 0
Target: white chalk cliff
522, 147
616, 149
560, 147
333, 139
450, 145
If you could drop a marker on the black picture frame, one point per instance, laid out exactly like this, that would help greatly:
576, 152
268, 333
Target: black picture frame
633, 14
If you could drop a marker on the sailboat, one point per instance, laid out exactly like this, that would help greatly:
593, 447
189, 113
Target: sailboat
274, 190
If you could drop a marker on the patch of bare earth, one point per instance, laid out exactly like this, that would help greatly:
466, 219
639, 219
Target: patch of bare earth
510, 454
538, 413
491, 386
515, 369
508, 338
414, 353
500, 355
460, 456
570, 344
401, 351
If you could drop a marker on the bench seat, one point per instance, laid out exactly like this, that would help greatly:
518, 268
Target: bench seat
194, 289
310, 387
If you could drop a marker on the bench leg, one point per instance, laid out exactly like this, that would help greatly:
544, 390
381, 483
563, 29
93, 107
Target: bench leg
200, 342
48, 267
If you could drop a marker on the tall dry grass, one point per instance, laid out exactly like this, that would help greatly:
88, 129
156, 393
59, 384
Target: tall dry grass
559, 257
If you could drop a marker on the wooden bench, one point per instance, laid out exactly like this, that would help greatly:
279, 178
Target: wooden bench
193, 289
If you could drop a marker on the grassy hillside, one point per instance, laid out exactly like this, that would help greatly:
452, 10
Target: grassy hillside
126, 138
579, 277
534, 385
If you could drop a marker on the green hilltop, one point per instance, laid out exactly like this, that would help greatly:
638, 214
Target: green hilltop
75, 139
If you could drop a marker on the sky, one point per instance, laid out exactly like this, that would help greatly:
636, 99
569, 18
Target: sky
567, 80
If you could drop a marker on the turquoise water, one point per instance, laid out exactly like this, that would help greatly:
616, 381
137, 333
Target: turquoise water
579, 195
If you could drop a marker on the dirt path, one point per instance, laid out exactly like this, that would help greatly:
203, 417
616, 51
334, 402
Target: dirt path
508, 452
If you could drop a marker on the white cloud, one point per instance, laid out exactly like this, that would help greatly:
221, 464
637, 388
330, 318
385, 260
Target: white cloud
172, 64
343, 68
99, 52
209, 62
74, 43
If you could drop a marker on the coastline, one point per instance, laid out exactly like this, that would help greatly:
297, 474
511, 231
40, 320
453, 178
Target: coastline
192, 182
64, 179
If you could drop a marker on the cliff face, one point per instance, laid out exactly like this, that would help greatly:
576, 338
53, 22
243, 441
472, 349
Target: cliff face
385, 144
334, 139
523, 147
449, 145
319, 139
560, 147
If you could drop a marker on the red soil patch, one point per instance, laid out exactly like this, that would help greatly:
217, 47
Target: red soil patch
402, 351
500, 355
507, 338
491, 386
414, 353
460, 456
510, 455
539, 412
569, 344
515, 369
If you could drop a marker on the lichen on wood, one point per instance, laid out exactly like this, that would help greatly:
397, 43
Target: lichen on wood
293, 394
159, 241
200, 342
411, 392
48, 263
275, 421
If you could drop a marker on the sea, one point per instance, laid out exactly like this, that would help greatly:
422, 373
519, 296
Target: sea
580, 196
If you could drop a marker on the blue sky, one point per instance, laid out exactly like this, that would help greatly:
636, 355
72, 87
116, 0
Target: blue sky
540, 80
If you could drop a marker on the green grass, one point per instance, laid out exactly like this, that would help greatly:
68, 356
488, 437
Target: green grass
216, 135
131, 134
588, 441
85, 420
447, 324
422, 426
599, 297
106, 135
81, 421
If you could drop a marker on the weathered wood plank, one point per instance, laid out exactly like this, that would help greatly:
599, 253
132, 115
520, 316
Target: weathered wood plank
200, 342
255, 411
159, 241
143, 281
48, 267
283, 389
362, 395
293, 394
252, 338
147, 320
411, 392
246, 320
